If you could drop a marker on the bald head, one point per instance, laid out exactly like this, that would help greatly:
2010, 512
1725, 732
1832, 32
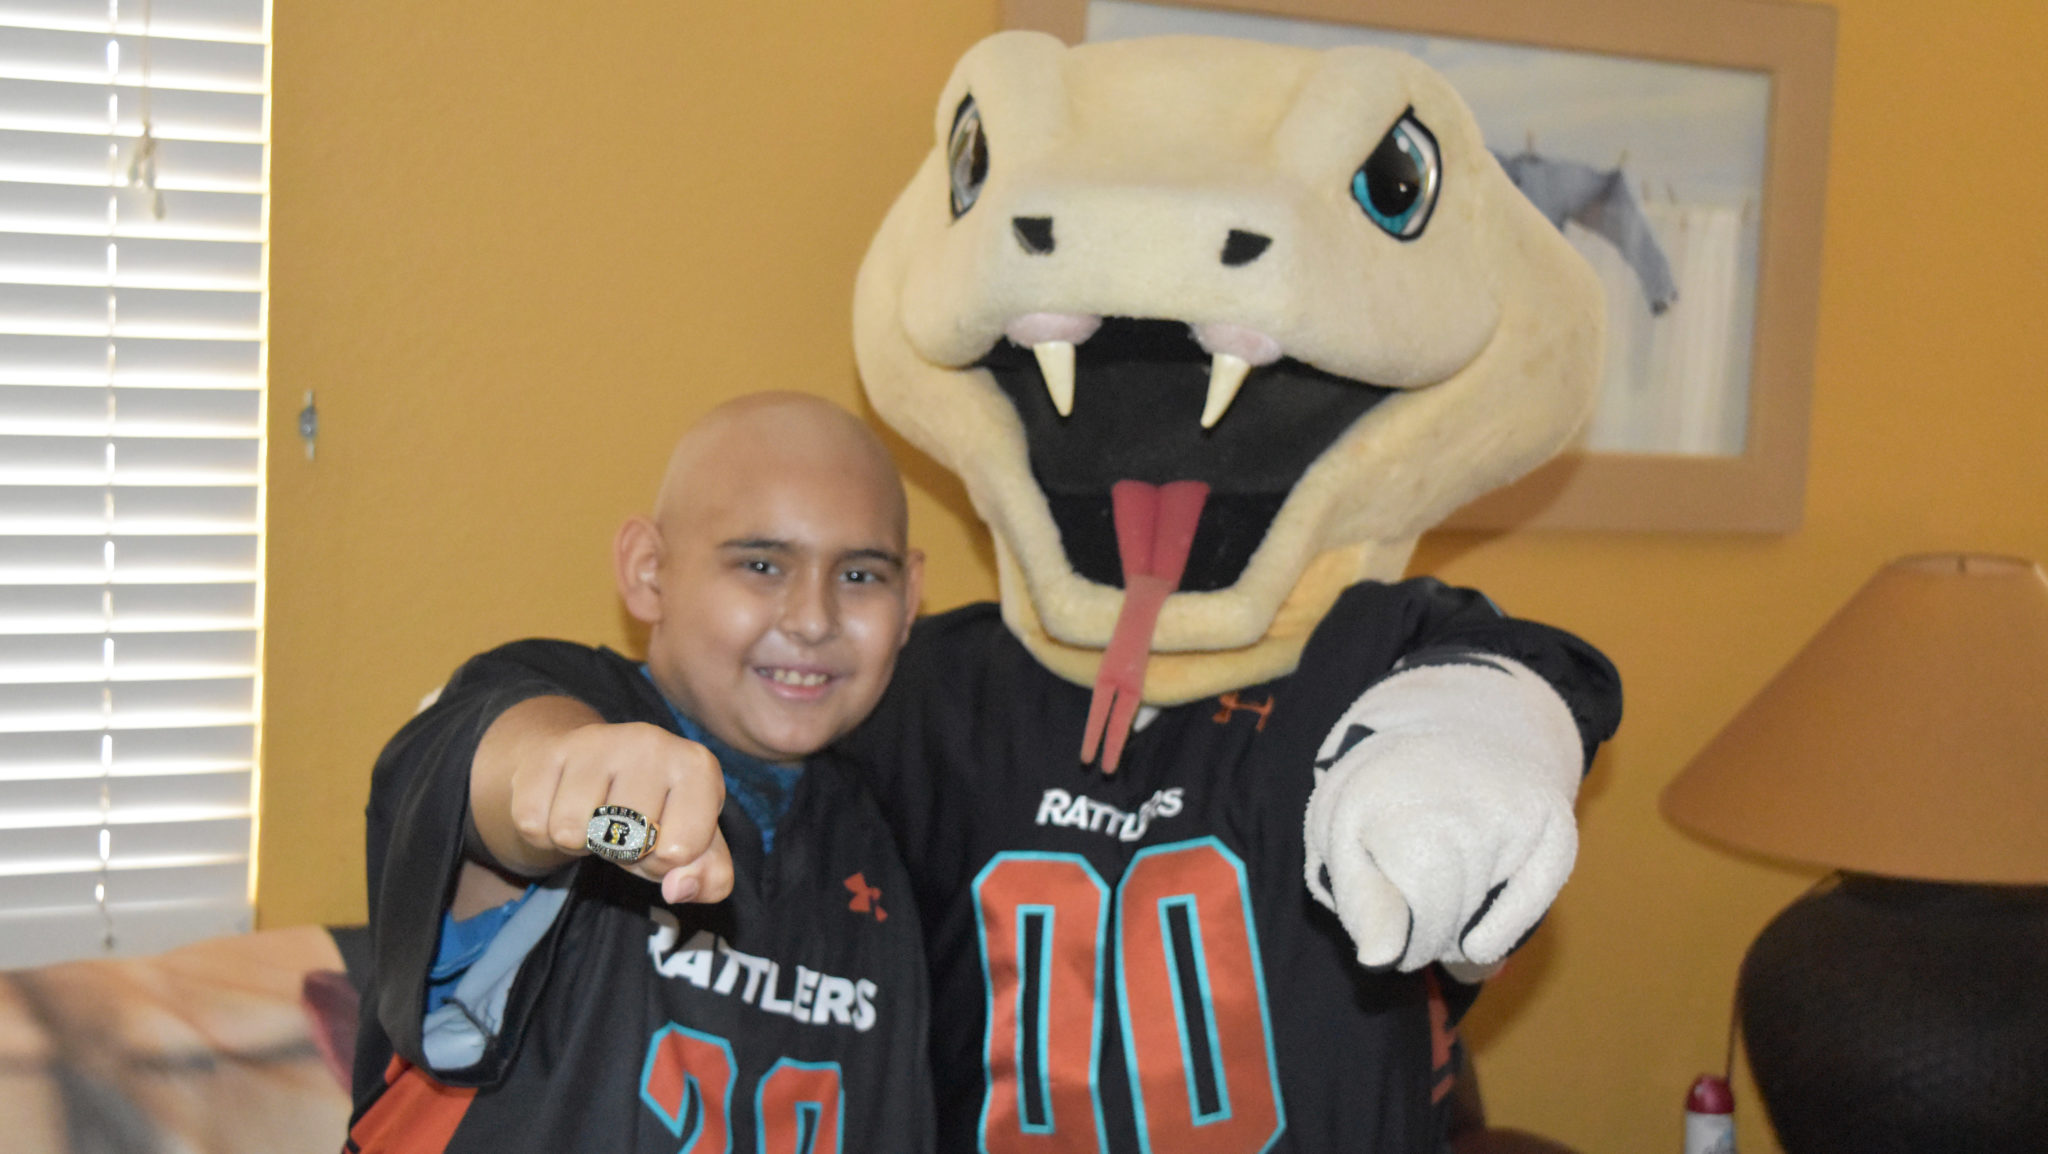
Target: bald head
779, 432
775, 576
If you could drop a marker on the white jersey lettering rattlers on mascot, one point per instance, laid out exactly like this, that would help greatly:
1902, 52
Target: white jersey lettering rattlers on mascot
1214, 819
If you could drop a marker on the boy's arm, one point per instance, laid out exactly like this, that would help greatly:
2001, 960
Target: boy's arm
545, 765
421, 842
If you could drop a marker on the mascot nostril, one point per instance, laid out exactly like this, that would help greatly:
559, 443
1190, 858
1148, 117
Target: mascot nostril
1204, 488
1242, 248
1034, 233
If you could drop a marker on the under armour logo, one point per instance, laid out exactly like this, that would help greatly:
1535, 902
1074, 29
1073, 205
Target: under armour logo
1231, 704
866, 898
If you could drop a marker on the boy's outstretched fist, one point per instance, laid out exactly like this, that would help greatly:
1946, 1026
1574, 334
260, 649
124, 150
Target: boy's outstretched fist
547, 764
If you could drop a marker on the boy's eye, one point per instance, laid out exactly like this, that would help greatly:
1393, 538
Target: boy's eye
759, 565
881, 573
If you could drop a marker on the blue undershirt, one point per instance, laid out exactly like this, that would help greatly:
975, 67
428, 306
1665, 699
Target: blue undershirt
761, 788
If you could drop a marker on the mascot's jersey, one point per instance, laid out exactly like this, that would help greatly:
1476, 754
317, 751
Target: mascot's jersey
789, 1019
1133, 962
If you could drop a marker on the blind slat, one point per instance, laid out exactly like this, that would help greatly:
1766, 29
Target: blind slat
77, 801
77, 158
50, 855
128, 752
82, 107
79, 53
91, 706
49, 410
140, 560
36, 461
69, 658
124, 609
81, 209
134, 509
135, 361
238, 20
144, 312
140, 262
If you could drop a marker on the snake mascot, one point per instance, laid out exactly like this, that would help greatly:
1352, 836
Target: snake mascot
1215, 820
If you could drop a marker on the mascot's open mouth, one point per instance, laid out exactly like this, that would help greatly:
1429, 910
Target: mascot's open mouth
1140, 387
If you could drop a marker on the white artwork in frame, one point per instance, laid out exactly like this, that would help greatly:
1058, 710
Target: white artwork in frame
1685, 145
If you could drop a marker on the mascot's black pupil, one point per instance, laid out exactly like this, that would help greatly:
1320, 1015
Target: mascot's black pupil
1392, 178
966, 157
1398, 184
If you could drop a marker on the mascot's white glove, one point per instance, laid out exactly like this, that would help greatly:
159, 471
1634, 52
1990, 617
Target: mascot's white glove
1441, 825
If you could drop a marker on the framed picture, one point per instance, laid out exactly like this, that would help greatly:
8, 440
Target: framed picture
1707, 122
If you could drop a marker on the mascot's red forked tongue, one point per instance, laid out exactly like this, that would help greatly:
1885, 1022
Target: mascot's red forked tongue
1155, 528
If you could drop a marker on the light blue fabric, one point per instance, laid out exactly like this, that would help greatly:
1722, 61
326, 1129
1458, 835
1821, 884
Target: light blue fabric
464, 1019
462, 943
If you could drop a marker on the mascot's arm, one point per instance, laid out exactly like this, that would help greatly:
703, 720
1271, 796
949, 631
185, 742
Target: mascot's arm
1441, 826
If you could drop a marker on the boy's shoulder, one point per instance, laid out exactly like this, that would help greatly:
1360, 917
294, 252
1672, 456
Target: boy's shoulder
602, 678
541, 657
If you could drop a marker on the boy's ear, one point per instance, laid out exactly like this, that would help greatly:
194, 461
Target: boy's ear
636, 568
913, 591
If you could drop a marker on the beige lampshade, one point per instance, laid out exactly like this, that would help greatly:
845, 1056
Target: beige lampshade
1909, 738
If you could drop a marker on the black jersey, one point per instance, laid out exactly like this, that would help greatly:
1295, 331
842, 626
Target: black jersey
1132, 962
791, 1017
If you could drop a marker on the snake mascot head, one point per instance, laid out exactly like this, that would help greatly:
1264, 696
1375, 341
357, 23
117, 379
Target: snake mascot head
1213, 329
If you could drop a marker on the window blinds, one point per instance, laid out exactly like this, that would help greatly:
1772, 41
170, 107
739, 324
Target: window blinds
131, 410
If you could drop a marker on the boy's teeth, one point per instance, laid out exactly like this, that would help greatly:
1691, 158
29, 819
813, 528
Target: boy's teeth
792, 677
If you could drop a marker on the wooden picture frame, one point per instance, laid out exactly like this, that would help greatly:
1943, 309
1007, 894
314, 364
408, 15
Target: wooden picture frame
1754, 480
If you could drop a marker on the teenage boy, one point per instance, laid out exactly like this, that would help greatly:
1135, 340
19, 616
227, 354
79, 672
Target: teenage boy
647, 917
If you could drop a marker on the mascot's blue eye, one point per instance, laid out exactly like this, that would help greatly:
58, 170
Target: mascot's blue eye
967, 157
1398, 183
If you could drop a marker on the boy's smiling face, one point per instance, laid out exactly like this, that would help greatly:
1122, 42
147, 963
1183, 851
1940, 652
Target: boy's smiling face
775, 576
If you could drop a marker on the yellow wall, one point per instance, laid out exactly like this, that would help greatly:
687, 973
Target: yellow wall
516, 246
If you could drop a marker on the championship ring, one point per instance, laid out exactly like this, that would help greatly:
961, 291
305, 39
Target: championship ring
620, 834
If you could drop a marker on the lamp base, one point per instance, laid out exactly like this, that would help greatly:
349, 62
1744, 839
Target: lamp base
1885, 1016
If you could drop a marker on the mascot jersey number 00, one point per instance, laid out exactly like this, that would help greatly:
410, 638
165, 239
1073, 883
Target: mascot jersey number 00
1214, 819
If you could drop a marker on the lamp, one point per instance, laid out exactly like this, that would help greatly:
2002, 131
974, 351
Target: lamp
1906, 1007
